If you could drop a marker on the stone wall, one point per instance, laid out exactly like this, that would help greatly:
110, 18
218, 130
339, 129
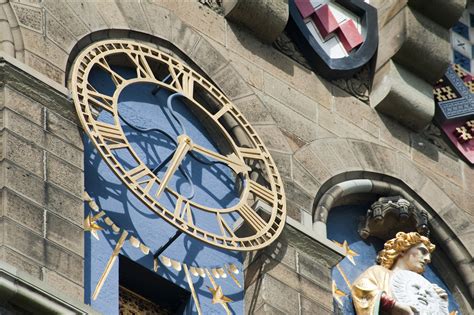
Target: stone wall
314, 130
42, 180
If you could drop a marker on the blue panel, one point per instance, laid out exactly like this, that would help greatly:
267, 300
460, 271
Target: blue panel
213, 185
461, 29
342, 226
462, 60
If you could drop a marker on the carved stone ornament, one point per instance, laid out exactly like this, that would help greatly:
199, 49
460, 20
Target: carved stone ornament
413, 289
390, 215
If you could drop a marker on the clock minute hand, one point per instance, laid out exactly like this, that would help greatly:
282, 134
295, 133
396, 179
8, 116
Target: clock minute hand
184, 145
231, 160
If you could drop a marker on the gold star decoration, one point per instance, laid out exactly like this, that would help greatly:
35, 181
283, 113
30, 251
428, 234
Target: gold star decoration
337, 294
90, 224
218, 296
349, 253
453, 313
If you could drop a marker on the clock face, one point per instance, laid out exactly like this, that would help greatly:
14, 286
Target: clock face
154, 173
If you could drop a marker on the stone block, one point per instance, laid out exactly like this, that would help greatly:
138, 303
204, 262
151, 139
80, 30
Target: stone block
65, 233
207, 57
279, 295
273, 138
134, 15
344, 151
388, 159
331, 160
24, 106
183, 36
66, 16
309, 307
434, 196
298, 195
111, 14
254, 15
410, 173
65, 204
64, 262
445, 13
294, 210
158, 18
24, 127
290, 97
58, 33
387, 9
391, 36
283, 163
24, 241
65, 175
266, 309
427, 155
63, 285
64, 150
282, 252
394, 135
405, 97
433, 52
21, 262
63, 128
254, 110
45, 67
312, 164
292, 122
366, 156
316, 293
304, 179
232, 83
251, 72
29, 16
89, 14
23, 211
342, 127
314, 270
23, 182
23, 153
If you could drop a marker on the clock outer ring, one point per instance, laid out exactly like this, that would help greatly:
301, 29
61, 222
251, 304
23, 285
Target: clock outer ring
80, 72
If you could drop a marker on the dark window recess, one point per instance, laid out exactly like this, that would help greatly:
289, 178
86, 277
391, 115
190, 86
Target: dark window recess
145, 292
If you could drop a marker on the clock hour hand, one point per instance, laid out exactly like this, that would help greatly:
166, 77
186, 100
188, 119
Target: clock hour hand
231, 160
184, 145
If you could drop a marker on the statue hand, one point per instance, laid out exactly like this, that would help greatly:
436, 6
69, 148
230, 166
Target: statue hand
441, 293
403, 309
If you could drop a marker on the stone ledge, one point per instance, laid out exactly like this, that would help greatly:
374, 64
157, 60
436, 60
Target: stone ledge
37, 86
19, 288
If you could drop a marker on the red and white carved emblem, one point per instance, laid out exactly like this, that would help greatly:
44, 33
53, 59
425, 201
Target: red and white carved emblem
337, 30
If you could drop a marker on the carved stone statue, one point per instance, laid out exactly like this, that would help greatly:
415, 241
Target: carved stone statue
395, 285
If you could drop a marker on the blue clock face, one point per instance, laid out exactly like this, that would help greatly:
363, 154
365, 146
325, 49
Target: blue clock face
179, 145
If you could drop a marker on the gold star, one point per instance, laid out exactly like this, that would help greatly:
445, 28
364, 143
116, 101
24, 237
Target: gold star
349, 253
337, 294
90, 225
453, 313
218, 297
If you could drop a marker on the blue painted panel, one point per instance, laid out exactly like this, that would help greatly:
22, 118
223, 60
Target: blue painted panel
462, 29
213, 185
342, 226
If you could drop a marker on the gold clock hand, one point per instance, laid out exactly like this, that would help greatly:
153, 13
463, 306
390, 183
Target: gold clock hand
231, 160
184, 145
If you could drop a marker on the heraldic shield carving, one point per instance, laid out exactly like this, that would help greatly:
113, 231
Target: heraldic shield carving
337, 37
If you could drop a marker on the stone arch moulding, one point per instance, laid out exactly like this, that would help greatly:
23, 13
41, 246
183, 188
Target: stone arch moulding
389, 186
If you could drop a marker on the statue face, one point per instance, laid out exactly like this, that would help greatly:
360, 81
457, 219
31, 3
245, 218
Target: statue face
416, 258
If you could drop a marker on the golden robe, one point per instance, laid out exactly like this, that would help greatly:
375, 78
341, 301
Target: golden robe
368, 288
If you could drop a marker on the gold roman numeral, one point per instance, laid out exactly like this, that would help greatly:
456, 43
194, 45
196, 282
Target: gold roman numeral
251, 153
141, 175
99, 100
224, 227
252, 218
113, 135
143, 68
182, 210
116, 78
262, 192
182, 81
